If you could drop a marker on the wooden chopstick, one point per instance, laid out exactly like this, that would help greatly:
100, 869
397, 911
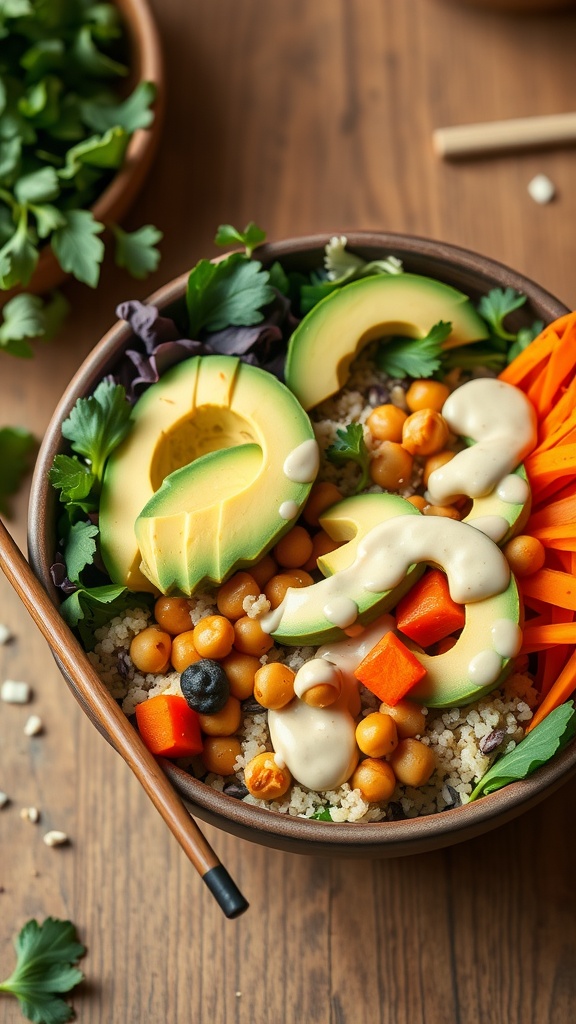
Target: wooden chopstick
122, 734
498, 136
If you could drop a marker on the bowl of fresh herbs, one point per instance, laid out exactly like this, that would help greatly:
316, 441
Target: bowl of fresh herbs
81, 101
495, 754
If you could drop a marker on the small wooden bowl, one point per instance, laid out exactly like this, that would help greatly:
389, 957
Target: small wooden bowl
462, 269
116, 199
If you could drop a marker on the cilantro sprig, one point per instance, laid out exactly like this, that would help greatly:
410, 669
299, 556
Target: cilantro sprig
96, 425
230, 293
350, 446
250, 237
47, 955
414, 357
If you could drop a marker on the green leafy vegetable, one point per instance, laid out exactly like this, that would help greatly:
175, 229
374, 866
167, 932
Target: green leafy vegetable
232, 292
249, 238
77, 247
524, 338
17, 447
131, 114
549, 737
89, 608
414, 357
350, 446
496, 306
71, 477
28, 316
322, 814
45, 969
96, 425
341, 267
80, 549
135, 251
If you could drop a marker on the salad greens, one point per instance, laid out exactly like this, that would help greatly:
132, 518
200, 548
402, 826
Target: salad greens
47, 955
232, 292
350, 446
414, 357
17, 448
250, 237
96, 425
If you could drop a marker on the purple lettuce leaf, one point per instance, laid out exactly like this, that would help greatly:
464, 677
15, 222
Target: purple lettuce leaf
147, 324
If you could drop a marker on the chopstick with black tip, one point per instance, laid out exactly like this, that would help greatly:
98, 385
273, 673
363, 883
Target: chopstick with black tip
121, 732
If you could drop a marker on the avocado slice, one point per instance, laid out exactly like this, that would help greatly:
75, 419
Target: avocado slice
328, 338
242, 503
513, 513
301, 618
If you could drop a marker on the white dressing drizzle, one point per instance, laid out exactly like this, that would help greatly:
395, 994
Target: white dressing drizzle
316, 672
342, 611
506, 637
494, 527
485, 667
301, 465
513, 489
288, 510
318, 745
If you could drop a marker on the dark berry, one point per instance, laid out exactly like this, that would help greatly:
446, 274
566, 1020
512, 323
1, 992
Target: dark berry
205, 686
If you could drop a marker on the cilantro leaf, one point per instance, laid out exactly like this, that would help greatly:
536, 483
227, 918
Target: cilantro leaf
16, 449
105, 151
96, 425
37, 187
322, 814
89, 608
28, 316
552, 734
80, 549
71, 477
77, 248
45, 968
414, 357
251, 236
496, 306
135, 250
131, 114
350, 446
48, 218
230, 293
18, 256
524, 338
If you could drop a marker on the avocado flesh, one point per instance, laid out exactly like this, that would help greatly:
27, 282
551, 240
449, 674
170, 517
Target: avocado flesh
328, 338
303, 621
516, 514
204, 405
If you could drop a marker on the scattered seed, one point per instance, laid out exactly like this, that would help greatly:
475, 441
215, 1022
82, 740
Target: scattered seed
250, 706
15, 692
55, 838
541, 189
5, 634
4, 799
33, 726
31, 814
235, 789
491, 741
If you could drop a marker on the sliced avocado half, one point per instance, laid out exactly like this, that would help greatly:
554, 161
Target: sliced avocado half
337, 328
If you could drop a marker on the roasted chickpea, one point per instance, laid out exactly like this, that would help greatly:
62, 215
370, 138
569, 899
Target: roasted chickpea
219, 754
274, 685
322, 544
375, 780
232, 594
376, 735
150, 650
241, 669
184, 652
391, 467
426, 394
413, 762
173, 614
385, 423
408, 717
264, 779
275, 589
263, 571
213, 637
445, 645
425, 432
322, 496
418, 501
525, 554
250, 638
434, 462
302, 577
322, 695
225, 722
319, 683
293, 549
447, 511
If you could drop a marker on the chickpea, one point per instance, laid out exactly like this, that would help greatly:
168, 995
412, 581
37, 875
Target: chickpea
376, 735
225, 722
150, 650
303, 578
264, 779
425, 432
418, 501
294, 548
274, 685
240, 670
250, 638
408, 717
322, 695
219, 754
173, 614
275, 589
232, 594
263, 571
375, 780
213, 637
322, 496
319, 683
322, 544
427, 394
434, 462
525, 554
447, 511
391, 466
385, 423
184, 652
413, 762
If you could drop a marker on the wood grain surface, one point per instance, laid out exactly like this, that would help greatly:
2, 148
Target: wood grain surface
306, 116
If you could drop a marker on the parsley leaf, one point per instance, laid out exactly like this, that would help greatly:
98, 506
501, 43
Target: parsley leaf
96, 425
38, 187
230, 293
496, 306
135, 250
16, 450
414, 357
77, 248
71, 477
524, 338
131, 114
27, 316
251, 236
89, 608
18, 256
322, 814
45, 968
552, 734
80, 549
350, 446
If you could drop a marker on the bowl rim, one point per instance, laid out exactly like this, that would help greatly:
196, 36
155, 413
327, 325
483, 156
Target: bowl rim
261, 824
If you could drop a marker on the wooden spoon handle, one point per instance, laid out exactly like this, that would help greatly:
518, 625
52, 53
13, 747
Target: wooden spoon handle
121, 732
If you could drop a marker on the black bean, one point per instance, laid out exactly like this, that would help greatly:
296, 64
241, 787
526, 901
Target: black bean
205, 686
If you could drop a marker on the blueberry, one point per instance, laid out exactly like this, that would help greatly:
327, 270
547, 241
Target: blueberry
205, 686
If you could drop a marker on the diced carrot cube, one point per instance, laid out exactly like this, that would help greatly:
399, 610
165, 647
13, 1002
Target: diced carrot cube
390, 670
427, 613
168, 726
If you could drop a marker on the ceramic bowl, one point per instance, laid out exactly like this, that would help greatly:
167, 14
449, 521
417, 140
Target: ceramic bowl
473, 274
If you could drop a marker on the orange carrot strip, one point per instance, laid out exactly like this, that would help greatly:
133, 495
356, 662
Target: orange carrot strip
537, 638
560, 691
551, 586
562, 537
560, 366
547, 466
561, 512
168, 726
561, 410
532, 357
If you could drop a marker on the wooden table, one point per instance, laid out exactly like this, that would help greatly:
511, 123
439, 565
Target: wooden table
306, 117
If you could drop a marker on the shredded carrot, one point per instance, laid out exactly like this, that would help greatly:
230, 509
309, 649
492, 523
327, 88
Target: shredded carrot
561, 512
551, 586
559, 692
538, 638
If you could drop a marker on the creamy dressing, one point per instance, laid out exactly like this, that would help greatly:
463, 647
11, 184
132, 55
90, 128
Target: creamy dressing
342, 611
506, 637
485, 667
318, 745
302, 463
317, 672
494, 527
502, 422
513, 489
288, 510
